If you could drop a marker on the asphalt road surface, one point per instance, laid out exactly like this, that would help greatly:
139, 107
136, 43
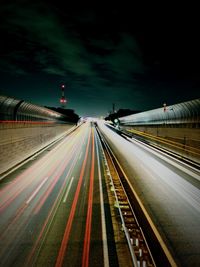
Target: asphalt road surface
52, 210
169, 191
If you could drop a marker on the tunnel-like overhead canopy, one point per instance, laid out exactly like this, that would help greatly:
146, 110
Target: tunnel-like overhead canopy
18, 110
182, 113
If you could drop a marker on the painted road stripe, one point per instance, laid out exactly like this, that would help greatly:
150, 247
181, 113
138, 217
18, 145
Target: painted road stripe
49, 219
36, 191
67, 193
86, 248
104, 234
64, 243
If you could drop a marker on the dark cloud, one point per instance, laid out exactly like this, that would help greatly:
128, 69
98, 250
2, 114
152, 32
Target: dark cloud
136, 56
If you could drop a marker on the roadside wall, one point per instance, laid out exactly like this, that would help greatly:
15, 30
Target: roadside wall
19, 140
187, 138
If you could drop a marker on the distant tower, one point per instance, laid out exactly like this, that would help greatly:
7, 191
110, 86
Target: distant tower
63, 100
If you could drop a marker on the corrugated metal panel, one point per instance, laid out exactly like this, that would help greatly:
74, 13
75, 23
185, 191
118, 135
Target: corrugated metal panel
14, 109
7, 107
186, 112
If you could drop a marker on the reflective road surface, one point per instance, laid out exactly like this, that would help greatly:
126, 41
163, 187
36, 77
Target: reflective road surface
169, 191
52, 211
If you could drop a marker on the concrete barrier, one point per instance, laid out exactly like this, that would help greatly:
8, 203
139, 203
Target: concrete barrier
20, 140
187, 139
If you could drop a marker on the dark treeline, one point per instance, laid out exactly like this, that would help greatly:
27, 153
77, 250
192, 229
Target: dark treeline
121, 113
70, 115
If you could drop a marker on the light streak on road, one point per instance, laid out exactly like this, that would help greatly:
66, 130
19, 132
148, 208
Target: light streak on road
86, 248
64, 243
169, 190
48, 222
52, 209
80, 155
104, 234
27, 178
16, 207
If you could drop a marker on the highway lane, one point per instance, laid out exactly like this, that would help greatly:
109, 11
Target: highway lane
52, 212
169, 191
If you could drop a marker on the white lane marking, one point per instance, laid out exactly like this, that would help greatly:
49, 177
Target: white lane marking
67, 193
36, 191
104, 235
80, 155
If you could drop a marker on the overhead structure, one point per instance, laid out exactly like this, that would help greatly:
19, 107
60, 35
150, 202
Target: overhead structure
12, 109
185, 113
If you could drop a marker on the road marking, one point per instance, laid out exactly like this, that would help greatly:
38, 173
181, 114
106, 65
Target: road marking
69, 187
64, 243
146, 214
51, 215
36, 191
87, 238
104, 234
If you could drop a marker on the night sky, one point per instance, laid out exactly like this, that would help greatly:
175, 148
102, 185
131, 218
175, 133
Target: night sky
137, 57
